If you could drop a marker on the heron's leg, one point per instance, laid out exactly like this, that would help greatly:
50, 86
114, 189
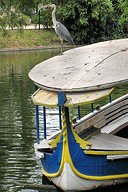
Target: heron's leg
61, 46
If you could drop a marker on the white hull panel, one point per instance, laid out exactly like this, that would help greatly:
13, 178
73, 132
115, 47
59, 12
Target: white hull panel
68, 181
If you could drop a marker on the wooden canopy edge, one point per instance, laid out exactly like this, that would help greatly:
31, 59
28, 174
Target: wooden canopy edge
50, 99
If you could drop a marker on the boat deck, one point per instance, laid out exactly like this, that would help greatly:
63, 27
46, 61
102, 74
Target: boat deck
103, 141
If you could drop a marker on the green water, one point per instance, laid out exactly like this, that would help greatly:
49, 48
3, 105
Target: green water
18, 164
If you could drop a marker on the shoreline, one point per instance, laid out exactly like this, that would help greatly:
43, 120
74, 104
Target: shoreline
33, 39
28, 48
35, 48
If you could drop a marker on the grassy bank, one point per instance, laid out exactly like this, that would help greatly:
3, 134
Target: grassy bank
28, 38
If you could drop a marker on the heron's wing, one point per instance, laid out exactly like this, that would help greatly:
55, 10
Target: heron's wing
63, 33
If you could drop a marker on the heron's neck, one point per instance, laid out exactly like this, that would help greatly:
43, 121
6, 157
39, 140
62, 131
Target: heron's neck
54, 17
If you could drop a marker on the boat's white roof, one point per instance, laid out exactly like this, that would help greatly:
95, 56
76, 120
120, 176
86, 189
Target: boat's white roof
97, 66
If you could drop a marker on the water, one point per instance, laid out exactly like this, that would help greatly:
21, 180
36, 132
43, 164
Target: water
18, 164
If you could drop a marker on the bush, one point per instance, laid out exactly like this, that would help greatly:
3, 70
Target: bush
46, 18
35, 19
90, 21
13, 20
3, 25
123, 7
17, 20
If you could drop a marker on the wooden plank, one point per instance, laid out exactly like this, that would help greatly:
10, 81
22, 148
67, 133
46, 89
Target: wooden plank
42, 145
104, 115
93, 67
116, 115
98, 121
115, 125
115, 157
104, 141
111, 110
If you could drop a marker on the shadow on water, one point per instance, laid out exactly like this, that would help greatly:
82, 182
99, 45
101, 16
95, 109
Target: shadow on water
116, 188
18, 164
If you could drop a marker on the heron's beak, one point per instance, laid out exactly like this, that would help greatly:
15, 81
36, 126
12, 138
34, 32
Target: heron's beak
40, 6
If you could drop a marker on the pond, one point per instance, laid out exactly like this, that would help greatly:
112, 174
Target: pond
18, 164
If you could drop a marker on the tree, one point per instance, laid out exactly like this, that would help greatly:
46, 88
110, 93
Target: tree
90, 21
87, 19
123, 7
21, 5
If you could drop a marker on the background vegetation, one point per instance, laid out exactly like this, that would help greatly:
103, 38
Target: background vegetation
29, 38
88, 21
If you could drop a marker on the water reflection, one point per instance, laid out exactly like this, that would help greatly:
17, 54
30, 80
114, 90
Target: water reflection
18, 164
17, 120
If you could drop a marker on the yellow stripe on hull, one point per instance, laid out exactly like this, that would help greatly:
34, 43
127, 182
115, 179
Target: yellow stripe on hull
67, 158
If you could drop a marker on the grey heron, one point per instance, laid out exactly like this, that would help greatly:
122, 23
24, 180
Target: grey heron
60, 29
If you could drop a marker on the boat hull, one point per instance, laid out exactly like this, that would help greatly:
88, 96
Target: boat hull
72, 168
69, 181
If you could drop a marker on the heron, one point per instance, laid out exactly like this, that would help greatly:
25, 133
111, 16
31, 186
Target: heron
60, 29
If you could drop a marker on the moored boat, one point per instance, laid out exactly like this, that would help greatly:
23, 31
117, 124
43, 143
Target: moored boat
91, 151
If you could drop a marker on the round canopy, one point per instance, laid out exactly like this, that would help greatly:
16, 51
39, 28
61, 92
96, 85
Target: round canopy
92, 67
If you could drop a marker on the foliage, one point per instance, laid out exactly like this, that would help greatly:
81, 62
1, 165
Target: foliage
30, 38
19, 4
26, 19
45, 15
46, 18
3, 25
90, 21
12, 20
123, 7
35, 19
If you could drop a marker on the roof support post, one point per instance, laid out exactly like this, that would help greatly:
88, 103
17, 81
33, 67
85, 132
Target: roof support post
37, 120
39, 20
44, 121
61, 101
110, 99
78, 112
60, 125
92, 107
61, 98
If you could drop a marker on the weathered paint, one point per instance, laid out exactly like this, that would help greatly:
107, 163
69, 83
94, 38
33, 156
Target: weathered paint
50, 99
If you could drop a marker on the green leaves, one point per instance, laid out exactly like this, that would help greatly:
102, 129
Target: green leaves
123, 7
90, 21
3, 25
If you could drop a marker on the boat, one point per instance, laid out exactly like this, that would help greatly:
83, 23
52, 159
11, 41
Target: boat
90, 151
